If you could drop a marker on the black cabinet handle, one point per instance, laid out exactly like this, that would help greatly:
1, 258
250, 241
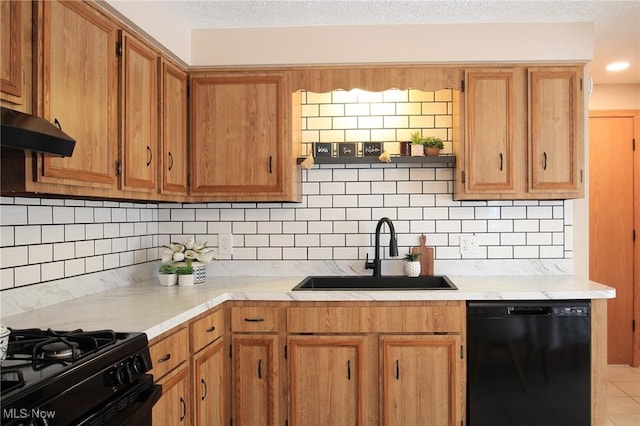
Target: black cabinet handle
544, 166
170, 161
210, 329
149, 155
184, 409
260, 368
204, 389
349, 370
501, 161
57, 123
165, 358
270, 164
254, 319
397, 369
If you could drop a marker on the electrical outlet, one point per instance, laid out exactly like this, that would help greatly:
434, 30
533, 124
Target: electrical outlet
225, 243
468, 245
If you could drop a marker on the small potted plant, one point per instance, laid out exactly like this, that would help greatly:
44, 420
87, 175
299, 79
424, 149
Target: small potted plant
417, 150
412, 264
185, 275
432, 145
167, 275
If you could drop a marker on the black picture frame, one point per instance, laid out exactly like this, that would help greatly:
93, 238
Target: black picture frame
322, 149
349, 149
371, 149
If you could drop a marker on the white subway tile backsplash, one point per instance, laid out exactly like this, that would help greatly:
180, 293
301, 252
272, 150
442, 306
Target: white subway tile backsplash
26, 235
13, 256
6, 278
52, 271
73, 267
25, 275
7, 236
40, 253
41, 215
13, 215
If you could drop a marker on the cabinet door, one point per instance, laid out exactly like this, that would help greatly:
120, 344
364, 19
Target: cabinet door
237, 135
15, 55
209, 386
80, 92
422, 378
172, 409
556, 110
489, 140
255, 380
139, 100
173, 129
327, 380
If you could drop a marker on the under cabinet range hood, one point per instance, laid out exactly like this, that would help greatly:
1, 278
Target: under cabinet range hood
31, 133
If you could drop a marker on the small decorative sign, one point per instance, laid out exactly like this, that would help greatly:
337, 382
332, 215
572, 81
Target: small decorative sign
347, 150
322, 150
373, 149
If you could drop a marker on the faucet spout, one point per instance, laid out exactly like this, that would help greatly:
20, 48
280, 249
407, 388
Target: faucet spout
393, 247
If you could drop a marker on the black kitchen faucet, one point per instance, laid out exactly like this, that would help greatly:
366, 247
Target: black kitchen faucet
393, 247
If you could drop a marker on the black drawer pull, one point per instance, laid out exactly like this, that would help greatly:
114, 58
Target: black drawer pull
210, 329
165, 358
254, 319
204, 389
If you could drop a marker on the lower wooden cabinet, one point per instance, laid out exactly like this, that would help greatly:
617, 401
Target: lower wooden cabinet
421, 380
209, 385
255, 380
174, 406
328, 381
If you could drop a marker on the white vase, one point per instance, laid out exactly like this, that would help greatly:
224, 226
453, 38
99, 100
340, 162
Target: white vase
186, 280
412, 269
167, 280
417, 150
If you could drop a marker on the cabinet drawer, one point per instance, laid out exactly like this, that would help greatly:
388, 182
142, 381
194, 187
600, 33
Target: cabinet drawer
435, 318
206, 330
169, 353
254, 319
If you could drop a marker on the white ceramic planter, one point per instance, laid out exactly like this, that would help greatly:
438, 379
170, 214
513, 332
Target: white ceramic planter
417, 150
186, 280
167, 280
412, 269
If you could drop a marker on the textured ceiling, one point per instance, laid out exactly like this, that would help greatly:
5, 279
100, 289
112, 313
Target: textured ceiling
616, 23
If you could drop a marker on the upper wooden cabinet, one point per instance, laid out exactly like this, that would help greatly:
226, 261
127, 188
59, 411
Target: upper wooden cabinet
80, 93
173, 129
241, 142
556, 127
16, 55
488, 163
521, 134
139, 115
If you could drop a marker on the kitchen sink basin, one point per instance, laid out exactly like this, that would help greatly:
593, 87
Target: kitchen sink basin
369, 283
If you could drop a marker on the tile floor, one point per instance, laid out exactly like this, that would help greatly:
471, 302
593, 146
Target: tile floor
623, 396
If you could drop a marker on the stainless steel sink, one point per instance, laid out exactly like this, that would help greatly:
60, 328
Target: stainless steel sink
369, 283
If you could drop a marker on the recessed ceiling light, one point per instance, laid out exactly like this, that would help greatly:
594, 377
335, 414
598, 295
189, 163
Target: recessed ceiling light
617, 66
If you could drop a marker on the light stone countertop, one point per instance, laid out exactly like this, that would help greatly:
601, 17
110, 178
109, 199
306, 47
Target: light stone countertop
148, 307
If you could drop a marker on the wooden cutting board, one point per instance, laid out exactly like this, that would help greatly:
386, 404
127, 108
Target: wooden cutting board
426, 256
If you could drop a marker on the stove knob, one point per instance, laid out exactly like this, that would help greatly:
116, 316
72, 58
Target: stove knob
122, 375
138, 365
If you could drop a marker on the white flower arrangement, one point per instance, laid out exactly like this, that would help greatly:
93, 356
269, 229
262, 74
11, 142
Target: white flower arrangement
187, 251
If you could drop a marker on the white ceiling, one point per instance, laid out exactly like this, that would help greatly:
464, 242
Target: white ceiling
616, 23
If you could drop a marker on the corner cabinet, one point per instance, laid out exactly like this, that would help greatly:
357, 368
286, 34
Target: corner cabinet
522, 134
173, 129
241, 138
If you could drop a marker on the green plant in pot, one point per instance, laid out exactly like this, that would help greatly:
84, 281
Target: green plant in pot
432, 145
417, 150
185, 275
167, 274
412, 264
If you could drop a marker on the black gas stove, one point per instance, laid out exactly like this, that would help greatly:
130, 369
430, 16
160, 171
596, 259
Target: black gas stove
77, 378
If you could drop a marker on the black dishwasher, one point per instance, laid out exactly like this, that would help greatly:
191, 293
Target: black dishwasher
529, 363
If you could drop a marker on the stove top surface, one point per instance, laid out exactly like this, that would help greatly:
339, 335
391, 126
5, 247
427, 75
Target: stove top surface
38, 357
